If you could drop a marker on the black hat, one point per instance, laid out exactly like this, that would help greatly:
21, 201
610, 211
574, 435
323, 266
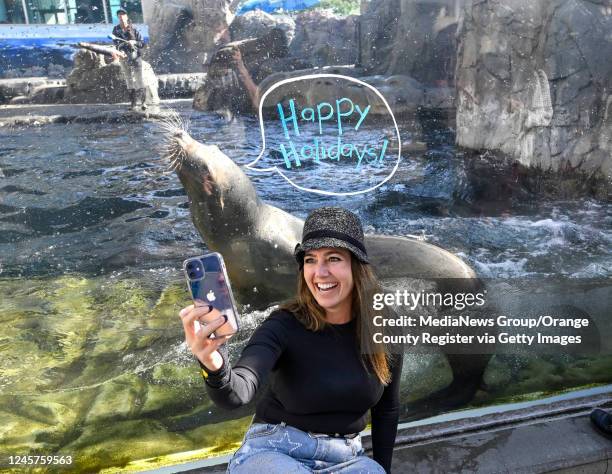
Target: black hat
332, 227
121, 11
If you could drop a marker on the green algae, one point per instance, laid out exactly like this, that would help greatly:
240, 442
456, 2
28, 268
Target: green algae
516, 378
118, 442
96, 368
118, 399
162, 399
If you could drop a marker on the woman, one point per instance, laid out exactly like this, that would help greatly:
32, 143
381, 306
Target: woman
324, 376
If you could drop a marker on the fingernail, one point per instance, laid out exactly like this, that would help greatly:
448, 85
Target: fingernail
224, 318
210, 308
183, 312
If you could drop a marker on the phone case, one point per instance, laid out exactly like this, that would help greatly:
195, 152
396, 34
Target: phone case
209, 285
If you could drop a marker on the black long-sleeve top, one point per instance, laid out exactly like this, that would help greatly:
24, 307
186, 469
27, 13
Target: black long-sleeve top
130, 34
318, 382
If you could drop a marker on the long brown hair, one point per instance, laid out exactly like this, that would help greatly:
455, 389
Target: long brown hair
312, 315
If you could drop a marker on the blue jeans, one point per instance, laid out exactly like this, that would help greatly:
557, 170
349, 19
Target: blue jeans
283, 449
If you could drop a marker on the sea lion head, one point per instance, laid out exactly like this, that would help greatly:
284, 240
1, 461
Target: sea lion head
218, 189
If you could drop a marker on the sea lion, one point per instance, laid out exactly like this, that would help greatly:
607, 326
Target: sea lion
257, 241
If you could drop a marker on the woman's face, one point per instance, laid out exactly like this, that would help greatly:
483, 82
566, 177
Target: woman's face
328, 274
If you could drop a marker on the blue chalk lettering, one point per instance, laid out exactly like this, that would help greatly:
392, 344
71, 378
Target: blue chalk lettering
347, 149
360, 155
330, 153
287, 154
362, 115
312, 114
292, 117
382, 152
307, 148
339, 103
321, 118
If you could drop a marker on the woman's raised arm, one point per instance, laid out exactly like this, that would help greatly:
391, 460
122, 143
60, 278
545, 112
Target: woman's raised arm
231, 387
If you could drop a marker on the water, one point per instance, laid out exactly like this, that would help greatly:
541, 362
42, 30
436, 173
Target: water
96, 198
93, 230
29, 49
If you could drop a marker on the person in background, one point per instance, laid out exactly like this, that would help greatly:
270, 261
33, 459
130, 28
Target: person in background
129, 42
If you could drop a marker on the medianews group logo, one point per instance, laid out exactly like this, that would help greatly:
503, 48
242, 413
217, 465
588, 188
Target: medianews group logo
485, 321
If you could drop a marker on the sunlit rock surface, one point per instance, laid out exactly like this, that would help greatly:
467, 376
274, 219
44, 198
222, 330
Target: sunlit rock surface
93, 80
532, 83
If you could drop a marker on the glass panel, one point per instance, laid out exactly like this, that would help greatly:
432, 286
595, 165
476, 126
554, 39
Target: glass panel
11, 11
88, 11
3, 16
59, 12
50, 12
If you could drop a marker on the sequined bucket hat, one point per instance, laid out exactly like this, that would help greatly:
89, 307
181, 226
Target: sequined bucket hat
332, 227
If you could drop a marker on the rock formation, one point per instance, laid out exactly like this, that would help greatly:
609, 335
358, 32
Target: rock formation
532, 82
23, 86
316, 37
325, 39
184, 33
256, 23
224, 89
414, 38
93, 81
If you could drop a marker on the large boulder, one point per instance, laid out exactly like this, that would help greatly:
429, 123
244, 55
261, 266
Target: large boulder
93, 81
533, 83
323, 38
256, 23
413, 38
185, 33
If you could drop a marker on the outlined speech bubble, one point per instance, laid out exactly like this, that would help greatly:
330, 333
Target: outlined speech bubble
328, 134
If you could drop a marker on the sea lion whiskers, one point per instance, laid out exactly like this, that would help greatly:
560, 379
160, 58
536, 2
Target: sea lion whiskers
173, 127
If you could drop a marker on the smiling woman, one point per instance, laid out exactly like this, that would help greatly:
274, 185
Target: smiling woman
327, 273
324, 378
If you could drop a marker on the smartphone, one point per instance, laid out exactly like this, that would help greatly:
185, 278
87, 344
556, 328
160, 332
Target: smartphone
208, 284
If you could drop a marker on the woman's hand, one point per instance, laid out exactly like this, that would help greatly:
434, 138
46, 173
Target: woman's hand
197, 337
